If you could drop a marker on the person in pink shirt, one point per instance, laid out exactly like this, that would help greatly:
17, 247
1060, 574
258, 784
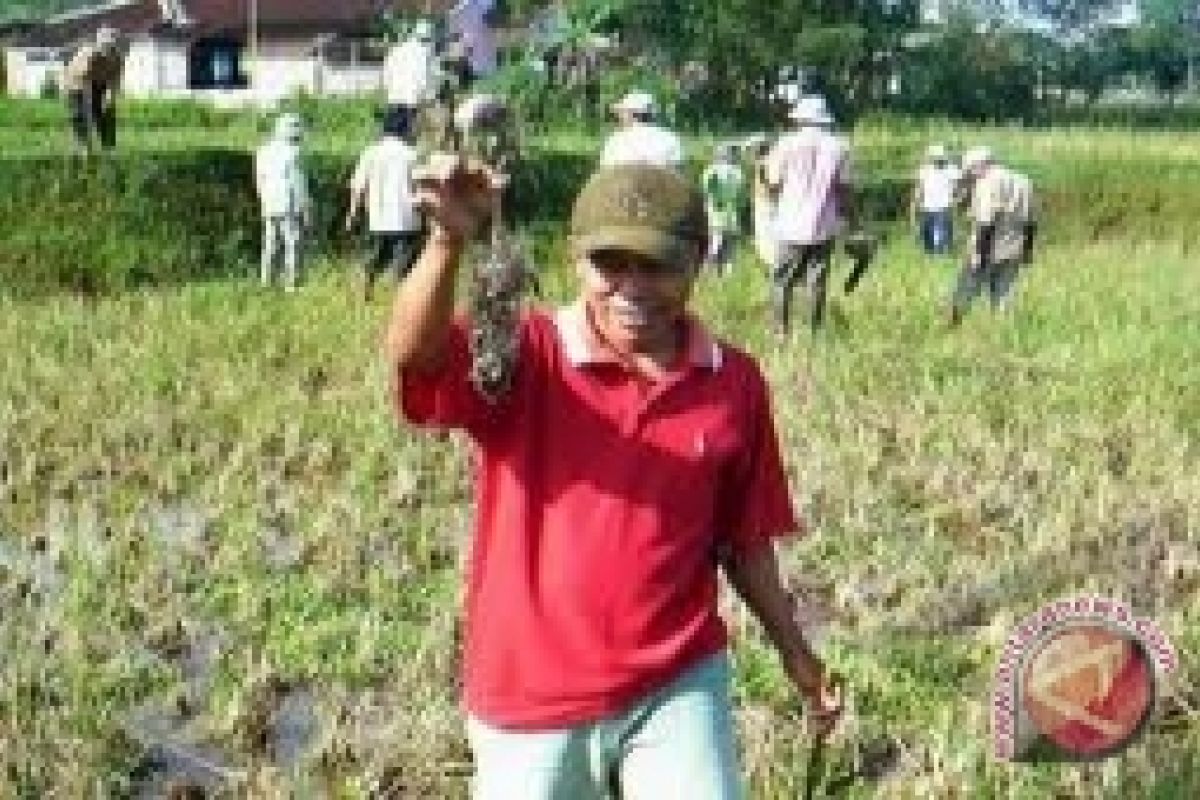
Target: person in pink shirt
809, 169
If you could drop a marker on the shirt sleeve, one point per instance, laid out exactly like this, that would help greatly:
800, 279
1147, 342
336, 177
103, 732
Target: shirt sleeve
358, 181
757, 507
446, 398
773, 167
676, 151
845, 173
983, 205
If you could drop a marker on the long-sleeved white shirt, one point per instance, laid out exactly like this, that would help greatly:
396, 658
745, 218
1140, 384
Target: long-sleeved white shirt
280, 180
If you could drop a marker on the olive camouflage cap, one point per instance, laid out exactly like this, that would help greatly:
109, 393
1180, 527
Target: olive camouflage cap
649, 210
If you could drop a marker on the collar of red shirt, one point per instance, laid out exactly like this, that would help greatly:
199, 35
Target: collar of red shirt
581, 345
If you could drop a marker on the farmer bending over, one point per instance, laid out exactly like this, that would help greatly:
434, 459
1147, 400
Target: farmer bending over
91, 80
1002, 210
633, 458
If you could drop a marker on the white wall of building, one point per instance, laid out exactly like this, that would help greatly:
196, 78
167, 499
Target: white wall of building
154, 67
29, 69
159, 68
285, 68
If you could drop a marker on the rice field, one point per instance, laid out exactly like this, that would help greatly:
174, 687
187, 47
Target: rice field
218, 546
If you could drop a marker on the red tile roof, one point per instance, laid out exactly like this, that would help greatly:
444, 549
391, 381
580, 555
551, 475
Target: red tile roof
331, 16
229, 17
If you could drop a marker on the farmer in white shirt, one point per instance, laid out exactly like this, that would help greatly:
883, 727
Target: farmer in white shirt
283, 197
809, 168
383, 178
1004, 227
933, 200
411, 73
639, 140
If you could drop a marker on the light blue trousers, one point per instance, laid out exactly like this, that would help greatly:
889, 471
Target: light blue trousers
677, 744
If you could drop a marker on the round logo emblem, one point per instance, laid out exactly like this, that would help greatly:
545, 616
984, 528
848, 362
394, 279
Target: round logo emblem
1089, 689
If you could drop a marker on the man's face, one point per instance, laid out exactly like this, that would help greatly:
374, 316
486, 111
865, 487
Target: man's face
635, 302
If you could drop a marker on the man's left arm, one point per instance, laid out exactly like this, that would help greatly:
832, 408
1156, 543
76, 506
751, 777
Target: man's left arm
757, 511
754, 575
1030, 228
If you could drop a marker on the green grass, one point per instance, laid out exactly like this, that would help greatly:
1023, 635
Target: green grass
152, 443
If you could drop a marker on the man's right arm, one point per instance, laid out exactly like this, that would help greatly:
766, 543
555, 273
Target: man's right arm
424, 305
457, 201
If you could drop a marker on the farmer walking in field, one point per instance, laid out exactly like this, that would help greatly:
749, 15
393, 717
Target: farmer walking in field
933, 200
91, 81
383, 178
724, 188
809, 169
283, 199
1004, 227
633, 458
411, 73
639, 139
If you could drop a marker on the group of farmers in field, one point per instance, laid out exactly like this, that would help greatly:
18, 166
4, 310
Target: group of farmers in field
801, 195
634, 457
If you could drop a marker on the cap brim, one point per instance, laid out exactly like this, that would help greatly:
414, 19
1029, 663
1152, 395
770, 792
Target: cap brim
662, 248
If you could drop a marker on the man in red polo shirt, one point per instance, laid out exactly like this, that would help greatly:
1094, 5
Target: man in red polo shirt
633, 457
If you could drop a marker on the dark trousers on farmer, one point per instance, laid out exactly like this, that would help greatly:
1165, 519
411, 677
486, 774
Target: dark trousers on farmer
937, 231
90, 114
396, 251
797, 262
404, 111
997, 278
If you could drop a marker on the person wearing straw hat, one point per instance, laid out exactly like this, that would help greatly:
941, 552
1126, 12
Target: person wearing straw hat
633, 460
639, 140
91, 81
933, 200
283, 198
809, 169
1004, 226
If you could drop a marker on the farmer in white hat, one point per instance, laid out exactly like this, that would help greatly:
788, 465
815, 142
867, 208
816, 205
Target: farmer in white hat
933, 200
91, 81
411, 73
639, 140
283, 197
1004, 226
809, 168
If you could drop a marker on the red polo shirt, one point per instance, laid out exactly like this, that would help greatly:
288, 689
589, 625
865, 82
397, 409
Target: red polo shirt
600, 502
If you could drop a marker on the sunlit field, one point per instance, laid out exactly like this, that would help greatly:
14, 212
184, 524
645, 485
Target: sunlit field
216, 541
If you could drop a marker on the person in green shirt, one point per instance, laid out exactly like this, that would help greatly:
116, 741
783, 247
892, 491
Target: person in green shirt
724, 187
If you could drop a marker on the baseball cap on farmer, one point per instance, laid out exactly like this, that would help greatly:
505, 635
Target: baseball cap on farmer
976, 157
422, 30
289, 126
108, 36
636, 103
639, 208
811, 110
